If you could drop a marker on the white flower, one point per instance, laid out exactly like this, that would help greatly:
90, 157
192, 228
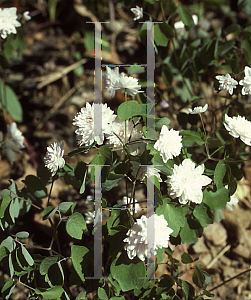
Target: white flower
227, 83
239, 127
123, 202
144, 171
118, 128
26, 15
16, 135
186, 182
246, 82
111, 76
164, 104
85, 121
138, 243
180, 25
138, 12
54, 157
89, 217
128, 84
169, 143
233, 201
198, 109
8, 21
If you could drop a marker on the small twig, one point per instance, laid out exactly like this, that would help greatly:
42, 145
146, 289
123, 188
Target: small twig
37, 207
226, 281
219, 255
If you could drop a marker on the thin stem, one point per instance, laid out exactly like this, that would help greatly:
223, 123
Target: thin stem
40, 248
37, 207
206, 144
50, 192
162, 10
29, 287
226, 281
125, 120
133, 196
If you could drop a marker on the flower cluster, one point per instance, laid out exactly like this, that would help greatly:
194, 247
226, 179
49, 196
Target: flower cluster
86, 123
186, 182
169, 143
246, 82
228, 83
8, 21
239, 127
115, 82
54, 157
16, 135
138, 238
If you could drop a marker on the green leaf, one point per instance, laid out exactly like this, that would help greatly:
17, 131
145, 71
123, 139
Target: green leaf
219, 173
188, 290
246, 47
64, 207
11, 267
80, 257
75, 225
35, 186
52, 293
216, 200
48, 212
165, 284
112, 180
82, 296
174, 215
167, 75
89, 40
3, 252
4, 204
132, 108
44, 174
203, 213
190, 231
22, 234
186, 16
47, 263
27, 256
9, 243
11, 102
56, 274
201, 278
8, 289
106, 152
162, 33
128, 109
225, 47
189, 138
80, 172
128, 272
186, 258
102, 294
245, 6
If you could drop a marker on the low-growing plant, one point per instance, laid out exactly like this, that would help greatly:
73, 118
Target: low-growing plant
189, 176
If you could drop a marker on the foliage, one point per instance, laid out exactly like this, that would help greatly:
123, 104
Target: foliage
191, 55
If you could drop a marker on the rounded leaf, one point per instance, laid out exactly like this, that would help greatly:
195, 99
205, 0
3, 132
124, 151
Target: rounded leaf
75, 225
